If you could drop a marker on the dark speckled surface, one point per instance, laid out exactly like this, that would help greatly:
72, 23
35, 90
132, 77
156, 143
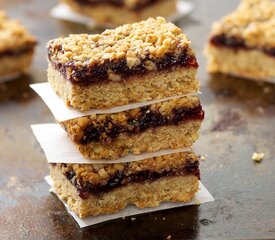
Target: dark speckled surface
240, 119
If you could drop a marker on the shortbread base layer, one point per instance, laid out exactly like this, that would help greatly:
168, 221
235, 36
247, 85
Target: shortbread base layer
252, 64
109, 14
182, 135
140, 88
145, 194
15, 65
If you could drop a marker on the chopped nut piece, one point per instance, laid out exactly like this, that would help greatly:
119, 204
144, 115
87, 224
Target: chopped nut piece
257, 157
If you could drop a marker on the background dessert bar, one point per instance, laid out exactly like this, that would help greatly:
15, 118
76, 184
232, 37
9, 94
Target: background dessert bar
243, 43
122, 11
16, 47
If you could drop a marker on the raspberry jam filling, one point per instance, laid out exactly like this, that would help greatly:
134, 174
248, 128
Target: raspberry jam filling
86, 75
147, 119
237, 43
119, 179
16, 52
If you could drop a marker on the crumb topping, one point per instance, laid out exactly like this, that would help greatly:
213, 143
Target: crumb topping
13, 34
148, 39
99, 174
253, 21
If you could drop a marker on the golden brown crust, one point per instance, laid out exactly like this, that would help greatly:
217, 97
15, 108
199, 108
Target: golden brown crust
253, 21
133, 42
13, 34
252, 64
100, 173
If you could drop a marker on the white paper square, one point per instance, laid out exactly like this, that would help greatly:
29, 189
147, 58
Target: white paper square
62, 112
59, 148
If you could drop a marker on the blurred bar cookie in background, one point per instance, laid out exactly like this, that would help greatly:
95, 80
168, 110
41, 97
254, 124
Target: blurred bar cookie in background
16, 48
243, 43
117, 12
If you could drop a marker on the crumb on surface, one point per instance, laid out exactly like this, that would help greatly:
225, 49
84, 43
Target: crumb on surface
169, 237
133, 219
257, 157
202, 158
198, 202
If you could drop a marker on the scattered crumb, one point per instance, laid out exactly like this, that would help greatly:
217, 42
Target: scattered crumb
202, 158
198, 202
133, 219
155, 218
123, 218
257, 157
163, 218
169, 237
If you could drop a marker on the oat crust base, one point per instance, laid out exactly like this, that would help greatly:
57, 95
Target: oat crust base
14, 65
154, 85
252, 64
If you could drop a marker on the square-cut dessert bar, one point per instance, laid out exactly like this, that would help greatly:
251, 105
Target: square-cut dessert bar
243, 43
137, 62
93, 189
171, 124
16, 47
119, 12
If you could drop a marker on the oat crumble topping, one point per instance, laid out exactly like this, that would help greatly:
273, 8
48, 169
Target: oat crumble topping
152, 38
13, 34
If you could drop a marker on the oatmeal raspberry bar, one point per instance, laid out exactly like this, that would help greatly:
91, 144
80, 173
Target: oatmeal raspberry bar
243, 43
133, 63
94, 189
117, 12
168, 125
16, 47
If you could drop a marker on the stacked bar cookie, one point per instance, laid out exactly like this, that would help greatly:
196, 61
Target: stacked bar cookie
133, 63
117, 12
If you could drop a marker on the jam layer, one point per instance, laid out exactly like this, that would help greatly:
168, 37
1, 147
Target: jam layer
237, 43
120, 179
147, 119
17, 52
100, 73
119, 3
